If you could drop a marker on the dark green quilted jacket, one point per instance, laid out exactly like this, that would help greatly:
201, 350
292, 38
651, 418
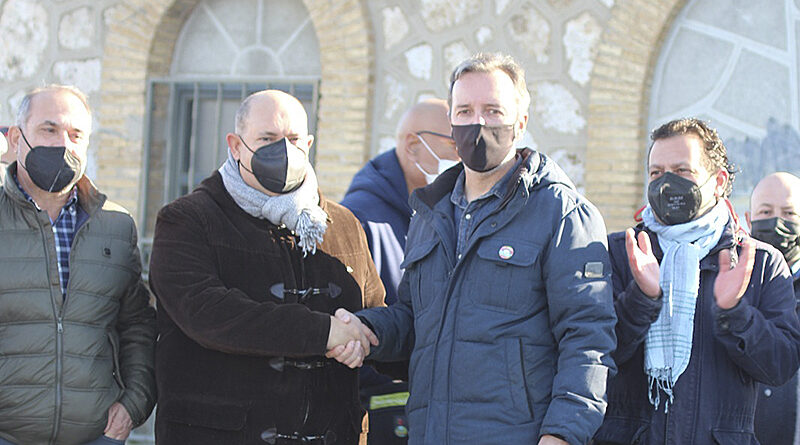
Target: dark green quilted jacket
64, 362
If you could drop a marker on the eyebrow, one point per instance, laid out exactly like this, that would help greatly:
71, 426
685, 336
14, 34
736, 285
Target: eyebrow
49, 123
682, 164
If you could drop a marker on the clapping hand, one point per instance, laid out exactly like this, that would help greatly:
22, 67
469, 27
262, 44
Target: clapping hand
349, 340
730, 284
643, 263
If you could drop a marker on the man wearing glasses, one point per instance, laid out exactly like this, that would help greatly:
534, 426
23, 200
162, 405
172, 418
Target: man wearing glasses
378, 196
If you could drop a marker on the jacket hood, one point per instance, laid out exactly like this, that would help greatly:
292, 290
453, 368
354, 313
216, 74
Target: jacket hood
379, 178
536, 170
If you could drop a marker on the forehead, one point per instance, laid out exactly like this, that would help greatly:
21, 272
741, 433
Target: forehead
61, 107
679, 149
775, 193
277, 116
482, 88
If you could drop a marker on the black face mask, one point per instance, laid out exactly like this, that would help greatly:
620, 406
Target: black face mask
483, 148
280, 166
675, 199
52, 169
781, 233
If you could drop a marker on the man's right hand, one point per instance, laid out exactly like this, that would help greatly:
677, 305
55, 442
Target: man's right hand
349, 340
643, 263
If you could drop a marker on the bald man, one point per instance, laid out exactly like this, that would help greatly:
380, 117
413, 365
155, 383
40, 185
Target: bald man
247, 270
378, 195
774, 218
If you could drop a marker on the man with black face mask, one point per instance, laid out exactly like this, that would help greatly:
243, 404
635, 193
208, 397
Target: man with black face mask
774, 218
506, 296
248, 270
704, 310
77, 331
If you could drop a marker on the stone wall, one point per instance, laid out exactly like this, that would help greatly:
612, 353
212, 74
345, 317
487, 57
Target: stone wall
736, 65
420, 41
590, 67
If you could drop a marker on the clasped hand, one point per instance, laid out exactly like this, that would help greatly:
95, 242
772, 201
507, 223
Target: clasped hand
349, 339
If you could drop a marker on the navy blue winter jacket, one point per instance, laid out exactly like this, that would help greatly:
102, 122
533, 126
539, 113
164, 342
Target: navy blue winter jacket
514, 340
378, 196
714, 398
777, 406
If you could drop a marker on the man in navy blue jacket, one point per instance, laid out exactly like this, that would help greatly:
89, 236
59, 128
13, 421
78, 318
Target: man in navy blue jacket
695, 333
378, 197
505, 305
774, 218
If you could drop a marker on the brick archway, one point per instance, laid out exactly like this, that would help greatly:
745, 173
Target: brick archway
618, 103
139, 43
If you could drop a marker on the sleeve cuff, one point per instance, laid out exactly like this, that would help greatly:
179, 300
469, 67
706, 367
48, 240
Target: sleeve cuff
735, 319
640, 305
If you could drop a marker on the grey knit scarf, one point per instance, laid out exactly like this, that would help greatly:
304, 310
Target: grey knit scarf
298, 210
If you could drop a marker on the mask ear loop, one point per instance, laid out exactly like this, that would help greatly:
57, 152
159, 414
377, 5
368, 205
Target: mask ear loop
739, 233
637, 215
29, 148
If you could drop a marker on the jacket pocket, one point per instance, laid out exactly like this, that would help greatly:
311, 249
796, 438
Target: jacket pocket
517, 382
514, 277
195, 422
423, 282
114, 341
731, 437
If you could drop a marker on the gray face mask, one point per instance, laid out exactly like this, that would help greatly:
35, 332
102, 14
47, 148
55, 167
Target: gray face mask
279, 166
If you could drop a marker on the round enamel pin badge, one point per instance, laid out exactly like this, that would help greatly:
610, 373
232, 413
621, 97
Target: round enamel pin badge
506, 252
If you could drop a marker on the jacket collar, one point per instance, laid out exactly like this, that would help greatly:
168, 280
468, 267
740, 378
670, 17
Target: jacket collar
528, 172
89, 198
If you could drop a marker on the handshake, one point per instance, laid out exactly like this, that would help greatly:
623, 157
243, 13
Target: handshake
349, 339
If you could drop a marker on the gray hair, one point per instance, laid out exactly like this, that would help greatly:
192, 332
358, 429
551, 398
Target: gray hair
487, 63
242, 113
24, 111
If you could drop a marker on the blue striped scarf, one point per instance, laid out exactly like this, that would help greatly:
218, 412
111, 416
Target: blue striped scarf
668, 345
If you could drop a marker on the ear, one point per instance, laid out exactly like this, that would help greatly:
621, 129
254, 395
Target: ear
521, 125
747, 218
234, 145
722, 182
411, 146
13, 137
306, 145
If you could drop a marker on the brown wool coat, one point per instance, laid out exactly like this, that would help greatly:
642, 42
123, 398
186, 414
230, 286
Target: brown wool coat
212, 270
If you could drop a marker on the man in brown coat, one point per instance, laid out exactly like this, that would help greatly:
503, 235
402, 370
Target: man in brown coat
247, 270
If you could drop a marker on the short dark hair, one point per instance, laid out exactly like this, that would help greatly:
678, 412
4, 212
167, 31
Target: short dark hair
715, 155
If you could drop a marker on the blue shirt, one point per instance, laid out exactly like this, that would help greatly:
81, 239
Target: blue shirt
63, 232
467, 215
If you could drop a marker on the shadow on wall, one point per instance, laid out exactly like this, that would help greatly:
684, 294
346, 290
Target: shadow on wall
778, 151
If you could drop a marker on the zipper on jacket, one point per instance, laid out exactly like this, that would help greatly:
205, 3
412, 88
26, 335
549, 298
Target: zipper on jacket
57, 314
60, 338
59, 371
